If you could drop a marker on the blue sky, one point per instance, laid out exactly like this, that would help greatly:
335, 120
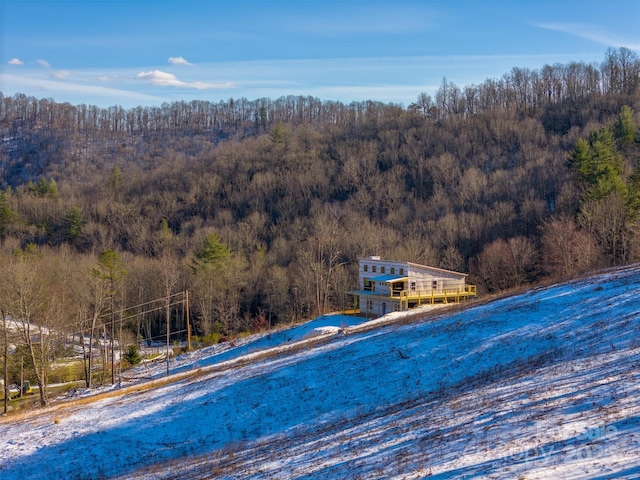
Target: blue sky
146, 52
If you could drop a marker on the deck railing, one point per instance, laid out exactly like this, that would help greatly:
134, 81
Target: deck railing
433, 296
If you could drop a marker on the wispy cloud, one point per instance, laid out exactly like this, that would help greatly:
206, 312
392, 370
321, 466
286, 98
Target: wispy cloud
592, 33
61, 74
15, 61
18, 82
164, 79
43, 63
180, 61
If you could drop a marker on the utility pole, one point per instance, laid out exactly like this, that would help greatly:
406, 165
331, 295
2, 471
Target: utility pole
120, 354
168, 329
113, 370
186, 301
5, 373
105, 353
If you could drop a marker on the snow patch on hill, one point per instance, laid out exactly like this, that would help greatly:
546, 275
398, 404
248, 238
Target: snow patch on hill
540, 385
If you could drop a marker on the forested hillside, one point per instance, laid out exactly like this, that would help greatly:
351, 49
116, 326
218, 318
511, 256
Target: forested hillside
260, 208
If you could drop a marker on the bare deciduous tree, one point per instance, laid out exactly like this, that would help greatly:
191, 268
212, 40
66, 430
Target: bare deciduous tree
35, 308
606, 220
505, 264
567, 250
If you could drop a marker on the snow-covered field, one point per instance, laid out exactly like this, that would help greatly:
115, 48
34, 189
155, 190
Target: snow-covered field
543, 385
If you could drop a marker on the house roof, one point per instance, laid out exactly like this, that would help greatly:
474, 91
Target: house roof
413, 265
389, 278
436, 269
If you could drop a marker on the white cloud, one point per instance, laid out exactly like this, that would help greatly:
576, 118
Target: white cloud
157, 77
15, 61
179, 61
164, 79
61, 74
43, 63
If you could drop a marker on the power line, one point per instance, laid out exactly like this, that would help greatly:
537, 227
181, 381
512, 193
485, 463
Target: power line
128, 317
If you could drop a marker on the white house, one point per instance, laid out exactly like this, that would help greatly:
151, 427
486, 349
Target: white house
386, 286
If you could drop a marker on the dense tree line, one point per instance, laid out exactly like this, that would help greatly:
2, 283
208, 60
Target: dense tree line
42, 137
261, 208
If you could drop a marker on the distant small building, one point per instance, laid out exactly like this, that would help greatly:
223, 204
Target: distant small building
387, 286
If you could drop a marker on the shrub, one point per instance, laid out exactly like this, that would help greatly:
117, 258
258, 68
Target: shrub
208, 339
133, 355
63, 373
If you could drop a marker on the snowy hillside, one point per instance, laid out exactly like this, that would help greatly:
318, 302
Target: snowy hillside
543, 385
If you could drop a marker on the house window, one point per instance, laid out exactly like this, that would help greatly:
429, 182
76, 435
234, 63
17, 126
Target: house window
381, 269
434, 285
402, 271
366, 268
396, 307
373, 269
369, 305
393, 271
413, 286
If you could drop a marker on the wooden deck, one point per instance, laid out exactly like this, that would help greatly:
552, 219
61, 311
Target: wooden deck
410, 299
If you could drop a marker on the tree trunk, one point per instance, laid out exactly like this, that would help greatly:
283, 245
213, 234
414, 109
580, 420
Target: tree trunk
5, 373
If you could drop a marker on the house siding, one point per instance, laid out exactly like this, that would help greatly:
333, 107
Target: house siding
386, 286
